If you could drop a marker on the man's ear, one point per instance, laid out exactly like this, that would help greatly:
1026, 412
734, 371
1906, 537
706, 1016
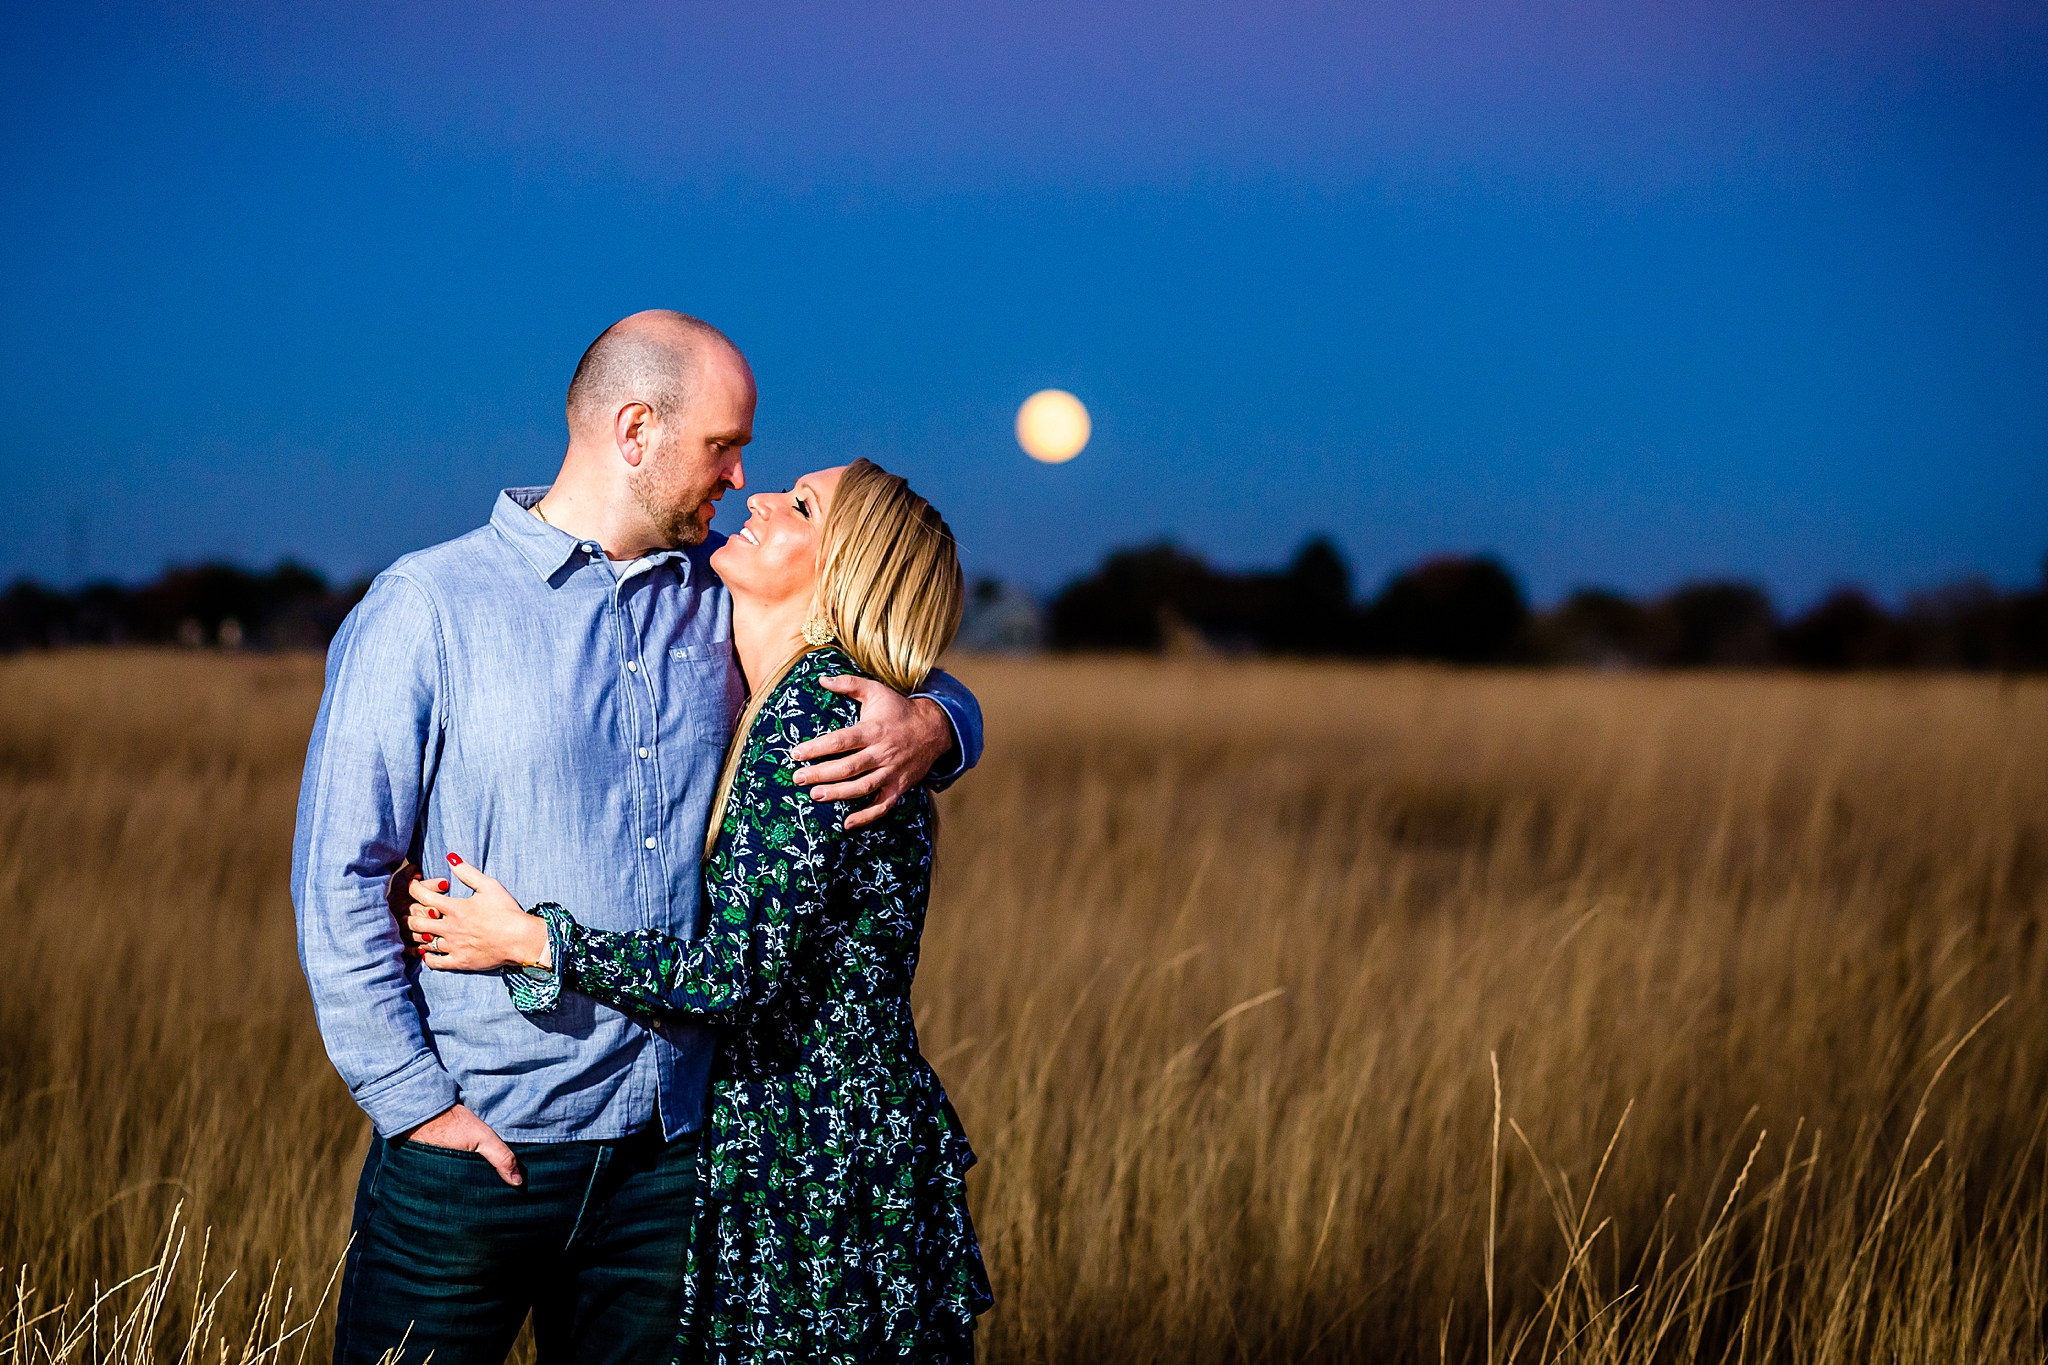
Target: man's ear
631, 429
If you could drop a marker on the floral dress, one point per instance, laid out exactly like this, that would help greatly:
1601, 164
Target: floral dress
832, 1219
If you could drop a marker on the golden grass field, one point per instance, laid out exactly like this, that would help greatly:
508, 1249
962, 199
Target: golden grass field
1220, 961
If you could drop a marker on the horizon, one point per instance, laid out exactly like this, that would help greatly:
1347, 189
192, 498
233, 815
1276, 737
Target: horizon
1364, 592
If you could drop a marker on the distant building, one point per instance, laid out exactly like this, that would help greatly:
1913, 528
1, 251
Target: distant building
1001, 618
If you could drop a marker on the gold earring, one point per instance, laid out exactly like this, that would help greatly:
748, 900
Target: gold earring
818, 632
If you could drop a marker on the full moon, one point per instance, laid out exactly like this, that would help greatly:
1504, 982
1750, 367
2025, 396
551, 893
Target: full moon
1052, 426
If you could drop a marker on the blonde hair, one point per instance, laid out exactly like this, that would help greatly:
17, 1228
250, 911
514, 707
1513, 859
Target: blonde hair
889, 587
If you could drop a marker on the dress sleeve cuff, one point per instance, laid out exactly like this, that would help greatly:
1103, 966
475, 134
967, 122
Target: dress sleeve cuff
541, 992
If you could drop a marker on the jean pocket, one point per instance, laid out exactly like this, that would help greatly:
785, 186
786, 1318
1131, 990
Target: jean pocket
414, 1147
431, 1176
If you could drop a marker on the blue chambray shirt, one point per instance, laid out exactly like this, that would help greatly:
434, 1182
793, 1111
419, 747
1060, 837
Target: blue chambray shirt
559, 720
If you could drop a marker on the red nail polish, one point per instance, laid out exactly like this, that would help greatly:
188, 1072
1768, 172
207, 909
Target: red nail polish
419, 876
454, 861
442, 884
433, 914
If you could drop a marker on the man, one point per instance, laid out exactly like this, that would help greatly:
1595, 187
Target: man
549, 697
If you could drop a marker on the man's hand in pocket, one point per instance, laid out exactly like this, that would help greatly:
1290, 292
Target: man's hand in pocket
458, 1130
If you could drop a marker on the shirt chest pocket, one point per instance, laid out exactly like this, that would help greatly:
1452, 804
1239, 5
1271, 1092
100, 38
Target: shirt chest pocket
706, 688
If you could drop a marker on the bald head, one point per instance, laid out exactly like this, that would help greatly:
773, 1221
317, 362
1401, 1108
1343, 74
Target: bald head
655, 357
660, 410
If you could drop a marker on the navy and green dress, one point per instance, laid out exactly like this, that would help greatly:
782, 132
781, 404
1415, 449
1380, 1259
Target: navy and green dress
832, 1218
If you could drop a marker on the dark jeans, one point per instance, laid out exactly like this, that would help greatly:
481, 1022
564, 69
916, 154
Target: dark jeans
450, 1259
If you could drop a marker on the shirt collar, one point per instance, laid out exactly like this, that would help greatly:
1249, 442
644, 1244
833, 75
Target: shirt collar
549, 549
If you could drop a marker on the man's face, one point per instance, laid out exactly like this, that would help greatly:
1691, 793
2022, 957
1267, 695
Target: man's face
694, 456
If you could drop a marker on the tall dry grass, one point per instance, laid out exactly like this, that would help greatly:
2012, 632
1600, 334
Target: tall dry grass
1223, 965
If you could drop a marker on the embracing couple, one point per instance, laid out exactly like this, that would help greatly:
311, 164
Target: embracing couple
643, 1065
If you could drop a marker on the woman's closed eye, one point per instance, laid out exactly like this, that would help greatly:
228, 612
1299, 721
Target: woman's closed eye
801, 509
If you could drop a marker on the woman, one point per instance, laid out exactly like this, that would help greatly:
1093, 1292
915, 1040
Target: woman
832, 1221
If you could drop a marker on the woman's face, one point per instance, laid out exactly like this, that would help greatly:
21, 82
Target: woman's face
774, 557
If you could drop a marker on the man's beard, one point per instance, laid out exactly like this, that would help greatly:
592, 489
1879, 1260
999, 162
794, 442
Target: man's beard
674, 518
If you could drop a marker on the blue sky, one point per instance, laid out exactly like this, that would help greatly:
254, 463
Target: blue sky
1625, 293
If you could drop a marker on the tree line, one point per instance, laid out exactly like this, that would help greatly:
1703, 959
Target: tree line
290, 607
1159, 598
1471, 610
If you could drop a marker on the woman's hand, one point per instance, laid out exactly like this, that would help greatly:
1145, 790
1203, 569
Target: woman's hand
483, 932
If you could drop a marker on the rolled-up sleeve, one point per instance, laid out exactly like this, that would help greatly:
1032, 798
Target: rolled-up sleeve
375, 747
965, 713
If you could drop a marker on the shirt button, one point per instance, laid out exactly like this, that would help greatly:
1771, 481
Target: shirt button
632, 665
650, 841
643, 751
